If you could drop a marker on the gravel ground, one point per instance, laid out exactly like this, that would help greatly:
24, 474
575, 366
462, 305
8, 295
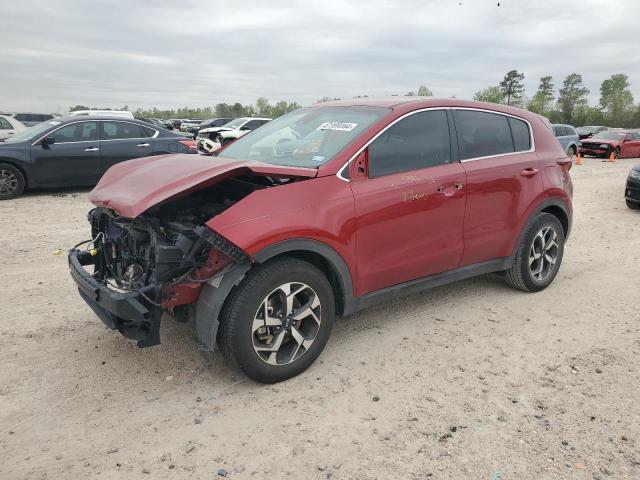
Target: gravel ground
470, 381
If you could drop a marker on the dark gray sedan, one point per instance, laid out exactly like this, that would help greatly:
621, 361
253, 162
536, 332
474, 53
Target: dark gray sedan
76, 151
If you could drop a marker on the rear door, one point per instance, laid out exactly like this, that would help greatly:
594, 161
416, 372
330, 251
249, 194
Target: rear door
410, 205
74, 158
503, 179
122, 140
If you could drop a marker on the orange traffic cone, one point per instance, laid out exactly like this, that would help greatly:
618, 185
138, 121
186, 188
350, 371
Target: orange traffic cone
612, 157
578, 159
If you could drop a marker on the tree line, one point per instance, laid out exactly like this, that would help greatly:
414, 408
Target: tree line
262, 108
616, 107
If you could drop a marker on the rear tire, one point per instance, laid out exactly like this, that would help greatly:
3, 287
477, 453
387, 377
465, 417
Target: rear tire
539, 255
12, 182
275, 324
633, 205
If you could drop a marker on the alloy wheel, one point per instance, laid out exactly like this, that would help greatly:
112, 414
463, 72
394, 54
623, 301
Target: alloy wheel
8, 182
286, 323
543, 254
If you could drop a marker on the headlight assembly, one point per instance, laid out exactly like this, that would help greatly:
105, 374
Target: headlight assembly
634, 174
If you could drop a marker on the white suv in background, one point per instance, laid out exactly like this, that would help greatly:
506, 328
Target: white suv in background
104, 113
211, 139
9, 126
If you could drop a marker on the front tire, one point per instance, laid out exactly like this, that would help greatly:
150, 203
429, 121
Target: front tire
539, 255
277, 321
12, 182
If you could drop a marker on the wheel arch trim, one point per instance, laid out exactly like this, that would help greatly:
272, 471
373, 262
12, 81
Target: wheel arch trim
333, 259
548, 205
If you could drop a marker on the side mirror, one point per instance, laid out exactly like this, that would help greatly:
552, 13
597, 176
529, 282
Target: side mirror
48, 141
244, 127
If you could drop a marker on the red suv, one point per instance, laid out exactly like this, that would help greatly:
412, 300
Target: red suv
318, 214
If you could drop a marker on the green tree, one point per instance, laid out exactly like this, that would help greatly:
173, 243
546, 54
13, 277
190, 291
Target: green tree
489, 94
616, 99
512, 87
78, 107
572, 94
424, 92
543, 98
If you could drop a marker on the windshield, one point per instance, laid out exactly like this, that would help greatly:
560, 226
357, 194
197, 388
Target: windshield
31, 133
585, 130
308, 137
235, 123
607, 135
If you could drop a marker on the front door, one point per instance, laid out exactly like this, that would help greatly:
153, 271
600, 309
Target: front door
410, 207
73, 158
630, 145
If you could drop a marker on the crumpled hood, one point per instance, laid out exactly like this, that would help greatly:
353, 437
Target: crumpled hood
130, 188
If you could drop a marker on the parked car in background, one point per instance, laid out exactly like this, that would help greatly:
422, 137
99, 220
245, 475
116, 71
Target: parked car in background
9, 126
568, 138
589, 131
210, 123
622, 143
211, 139
189, 123
77, 150
31, 119
152, 121
103, 113
259, 246
172, 124
632, 191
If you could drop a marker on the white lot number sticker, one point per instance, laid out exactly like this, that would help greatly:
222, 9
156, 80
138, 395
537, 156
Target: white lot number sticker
342, 126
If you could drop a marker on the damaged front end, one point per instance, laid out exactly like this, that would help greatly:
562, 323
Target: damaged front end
160, 262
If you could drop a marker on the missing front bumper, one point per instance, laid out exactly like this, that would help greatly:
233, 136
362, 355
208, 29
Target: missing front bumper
128, 312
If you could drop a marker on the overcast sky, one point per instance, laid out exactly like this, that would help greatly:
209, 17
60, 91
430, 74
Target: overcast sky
59, 53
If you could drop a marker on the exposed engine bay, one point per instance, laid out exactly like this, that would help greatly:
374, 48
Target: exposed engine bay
160, 260
168, 243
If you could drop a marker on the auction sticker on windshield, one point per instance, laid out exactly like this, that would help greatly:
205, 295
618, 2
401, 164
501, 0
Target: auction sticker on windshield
342, 126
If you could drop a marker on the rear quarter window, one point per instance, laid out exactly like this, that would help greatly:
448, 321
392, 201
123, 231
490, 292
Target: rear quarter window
521, 134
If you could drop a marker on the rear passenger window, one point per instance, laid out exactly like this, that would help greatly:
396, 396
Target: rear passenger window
482, 134
418, 141
521, 134
120, 130
148, 131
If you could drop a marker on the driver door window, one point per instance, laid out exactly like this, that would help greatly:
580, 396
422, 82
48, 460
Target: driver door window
419, 141
76, 132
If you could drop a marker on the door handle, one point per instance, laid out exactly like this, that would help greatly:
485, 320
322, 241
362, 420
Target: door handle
449, 190
459, 185
91, 149
142, 145
529, 172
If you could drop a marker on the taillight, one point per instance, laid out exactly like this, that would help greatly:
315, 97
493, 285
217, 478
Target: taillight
190, 144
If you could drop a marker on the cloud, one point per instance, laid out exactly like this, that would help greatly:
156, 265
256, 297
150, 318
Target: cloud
169, 54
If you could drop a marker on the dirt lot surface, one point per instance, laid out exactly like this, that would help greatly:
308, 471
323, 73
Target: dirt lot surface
469, 381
